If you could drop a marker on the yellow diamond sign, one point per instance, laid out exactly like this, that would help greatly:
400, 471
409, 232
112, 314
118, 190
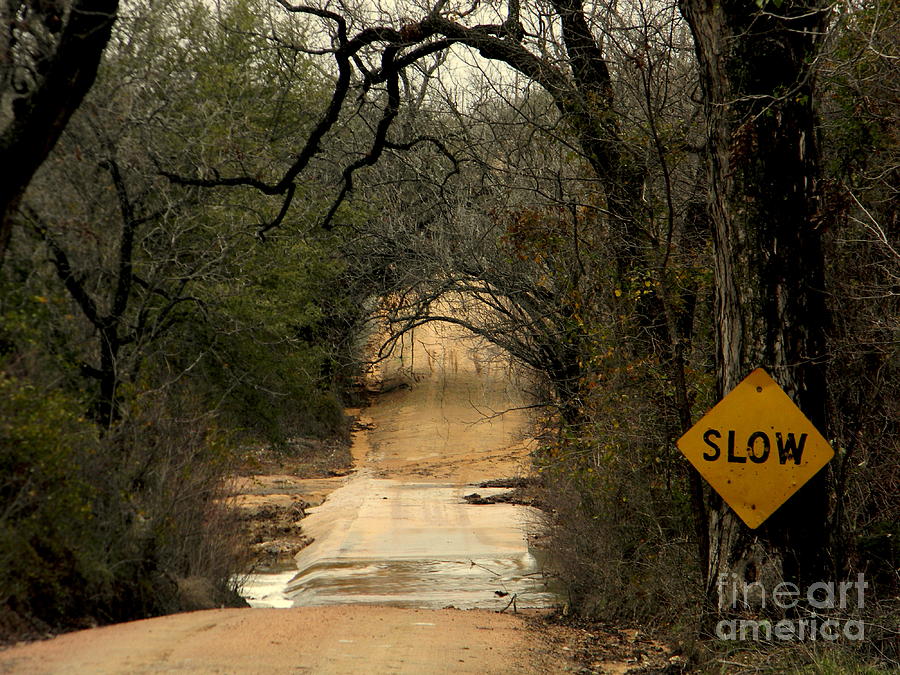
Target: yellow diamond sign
756, 448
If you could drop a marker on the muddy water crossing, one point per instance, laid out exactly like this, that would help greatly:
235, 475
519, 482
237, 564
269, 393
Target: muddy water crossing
398, 531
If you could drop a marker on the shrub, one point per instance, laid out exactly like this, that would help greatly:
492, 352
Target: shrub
98, 529
622, 543
46, 505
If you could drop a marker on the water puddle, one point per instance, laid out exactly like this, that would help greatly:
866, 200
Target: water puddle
267, 589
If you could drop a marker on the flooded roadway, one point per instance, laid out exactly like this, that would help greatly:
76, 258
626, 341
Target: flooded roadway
398, 531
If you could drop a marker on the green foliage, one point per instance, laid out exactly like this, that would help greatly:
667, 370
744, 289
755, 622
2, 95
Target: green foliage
858, 103
219, 333
101, 528
844, 664
272, 339
261, 331
46, 505
234, 101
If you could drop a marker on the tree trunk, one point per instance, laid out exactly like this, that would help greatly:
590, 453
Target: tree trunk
40, 115
756, 74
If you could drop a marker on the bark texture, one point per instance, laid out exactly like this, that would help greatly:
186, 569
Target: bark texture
61, 50
756, 68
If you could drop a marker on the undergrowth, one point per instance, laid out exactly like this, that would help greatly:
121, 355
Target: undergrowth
98, 528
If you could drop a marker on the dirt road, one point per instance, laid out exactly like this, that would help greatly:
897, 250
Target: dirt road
396, 532
327, 640
399, 531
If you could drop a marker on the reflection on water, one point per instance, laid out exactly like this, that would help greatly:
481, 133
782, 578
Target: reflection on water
484, 583
417, 545
420, 545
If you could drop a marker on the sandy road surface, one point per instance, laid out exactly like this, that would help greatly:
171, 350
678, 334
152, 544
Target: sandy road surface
327, 640
396, 532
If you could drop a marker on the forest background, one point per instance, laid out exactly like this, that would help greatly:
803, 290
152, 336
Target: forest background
637, 201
